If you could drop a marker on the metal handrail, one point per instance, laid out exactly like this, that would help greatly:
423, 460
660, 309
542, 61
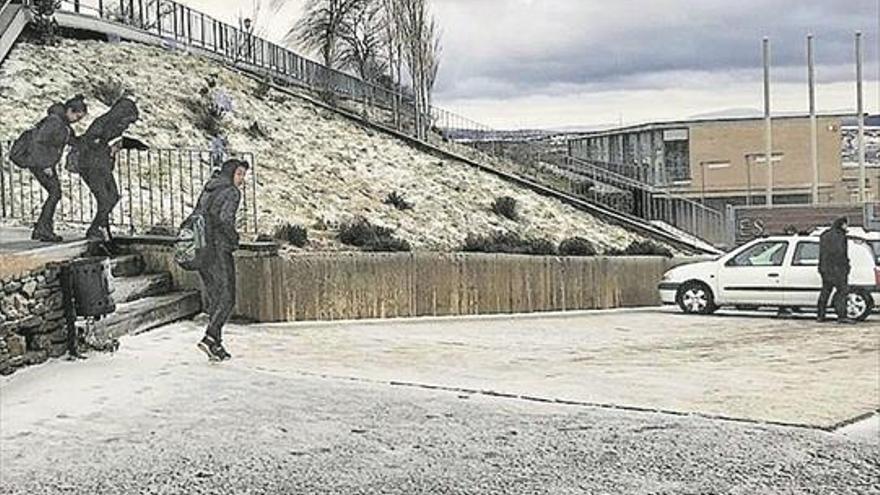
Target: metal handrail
157, 187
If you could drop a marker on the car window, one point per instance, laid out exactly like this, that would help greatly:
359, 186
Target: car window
806, 254
769, 253
875, 246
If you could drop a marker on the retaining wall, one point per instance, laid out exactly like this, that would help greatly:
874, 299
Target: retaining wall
32, 323
333, 286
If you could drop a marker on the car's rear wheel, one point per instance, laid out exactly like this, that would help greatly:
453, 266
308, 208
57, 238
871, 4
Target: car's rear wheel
858, 305
696, 298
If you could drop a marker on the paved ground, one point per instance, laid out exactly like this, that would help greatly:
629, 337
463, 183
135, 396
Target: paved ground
157, 418
793, 371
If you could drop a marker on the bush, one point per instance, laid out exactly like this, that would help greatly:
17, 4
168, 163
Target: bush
293, 234
263, 88
641, 248
506, 207
397, 201
361, 233
45, 27
507, 242
257, 131
576, 246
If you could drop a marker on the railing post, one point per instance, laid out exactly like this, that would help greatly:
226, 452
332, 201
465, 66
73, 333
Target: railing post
189, 37
203, 29
159, 16
101, 8
76, 6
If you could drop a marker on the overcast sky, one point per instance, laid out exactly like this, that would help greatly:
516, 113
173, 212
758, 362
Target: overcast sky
556, 63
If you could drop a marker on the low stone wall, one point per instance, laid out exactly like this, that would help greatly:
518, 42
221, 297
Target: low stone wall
32, 323
332, 286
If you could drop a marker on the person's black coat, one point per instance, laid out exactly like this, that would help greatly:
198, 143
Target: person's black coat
52, 134
833, 252
219, 204
94, 144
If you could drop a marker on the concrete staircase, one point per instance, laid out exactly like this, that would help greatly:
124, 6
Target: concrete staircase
13, 19
145, 300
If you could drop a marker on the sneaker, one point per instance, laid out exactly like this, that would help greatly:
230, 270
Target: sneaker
208, 346
221, 352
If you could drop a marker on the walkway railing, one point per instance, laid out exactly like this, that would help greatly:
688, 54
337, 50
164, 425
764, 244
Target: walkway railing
157, 188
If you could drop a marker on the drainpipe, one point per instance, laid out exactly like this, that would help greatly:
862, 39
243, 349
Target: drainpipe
860, 113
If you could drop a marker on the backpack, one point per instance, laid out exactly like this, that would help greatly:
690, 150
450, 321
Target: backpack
20, 151
192, 237
189, 246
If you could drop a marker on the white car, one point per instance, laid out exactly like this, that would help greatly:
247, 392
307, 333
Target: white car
779, 271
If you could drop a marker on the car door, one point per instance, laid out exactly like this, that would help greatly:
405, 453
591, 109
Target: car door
753, 275
801, 278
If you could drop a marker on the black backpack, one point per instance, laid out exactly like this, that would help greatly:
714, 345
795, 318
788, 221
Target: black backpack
20, 151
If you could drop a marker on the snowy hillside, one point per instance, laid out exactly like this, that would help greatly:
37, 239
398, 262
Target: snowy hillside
315, 168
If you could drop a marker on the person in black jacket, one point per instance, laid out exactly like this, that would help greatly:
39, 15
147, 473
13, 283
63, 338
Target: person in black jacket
97, 158
834, 269
219, 204
50, 137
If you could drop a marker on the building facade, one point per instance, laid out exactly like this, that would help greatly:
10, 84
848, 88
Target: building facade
722, 161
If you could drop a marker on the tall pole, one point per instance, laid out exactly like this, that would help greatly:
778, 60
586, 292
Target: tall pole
814, 145
768, 126
860, 111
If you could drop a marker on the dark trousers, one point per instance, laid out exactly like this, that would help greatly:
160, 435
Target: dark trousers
218, 279
103, 186
838, 283
48, 178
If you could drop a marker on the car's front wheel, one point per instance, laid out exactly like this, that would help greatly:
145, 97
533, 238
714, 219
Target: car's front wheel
696, 298
858, 305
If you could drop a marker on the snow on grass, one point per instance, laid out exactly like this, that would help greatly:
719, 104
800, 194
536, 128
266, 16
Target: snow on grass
314, 168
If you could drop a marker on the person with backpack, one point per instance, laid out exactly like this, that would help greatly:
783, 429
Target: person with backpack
39, 150
96, 156
217, 208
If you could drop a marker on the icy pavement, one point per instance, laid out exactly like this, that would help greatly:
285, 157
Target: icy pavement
156, 417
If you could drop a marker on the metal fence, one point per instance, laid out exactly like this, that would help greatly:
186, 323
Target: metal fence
179, 24
157, 188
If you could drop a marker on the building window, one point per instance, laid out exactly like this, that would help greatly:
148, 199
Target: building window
677, 155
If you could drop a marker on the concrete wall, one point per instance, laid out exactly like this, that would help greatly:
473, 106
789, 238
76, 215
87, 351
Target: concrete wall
332, 286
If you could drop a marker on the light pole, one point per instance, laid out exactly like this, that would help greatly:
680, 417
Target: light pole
814, 145
768, 126
860, 113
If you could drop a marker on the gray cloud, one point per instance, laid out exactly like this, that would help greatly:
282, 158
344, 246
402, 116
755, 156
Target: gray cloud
504, 48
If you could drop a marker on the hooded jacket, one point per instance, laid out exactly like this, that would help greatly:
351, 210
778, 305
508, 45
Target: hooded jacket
833, 251
219, 204
51, 136
94, 144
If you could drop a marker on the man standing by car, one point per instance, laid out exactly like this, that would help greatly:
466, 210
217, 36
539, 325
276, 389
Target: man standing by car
834, 269
218, 203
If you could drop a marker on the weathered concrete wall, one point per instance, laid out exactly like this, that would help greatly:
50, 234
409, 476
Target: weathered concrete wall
32, 324
336, 286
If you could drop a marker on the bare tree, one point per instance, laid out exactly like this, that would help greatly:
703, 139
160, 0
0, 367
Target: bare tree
419, 34
320, 28
362, 41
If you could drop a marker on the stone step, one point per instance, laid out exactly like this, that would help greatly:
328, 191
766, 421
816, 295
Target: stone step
139, 316
128, 265
127, 289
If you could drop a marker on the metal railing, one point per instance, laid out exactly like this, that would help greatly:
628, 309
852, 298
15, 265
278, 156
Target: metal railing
178, 24
157, 188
